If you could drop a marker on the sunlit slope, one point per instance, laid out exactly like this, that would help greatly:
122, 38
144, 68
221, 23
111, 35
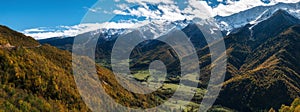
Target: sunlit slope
39, 78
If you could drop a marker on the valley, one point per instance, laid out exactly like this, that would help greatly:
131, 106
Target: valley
260, 63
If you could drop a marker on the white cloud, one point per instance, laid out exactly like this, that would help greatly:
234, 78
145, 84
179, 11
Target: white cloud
34, 30
71, 31
199, 9
194, 8
170, 11
151, 1
145, 13
122, 6
120, 12
106, 12
242, 5
286, 1
97, 9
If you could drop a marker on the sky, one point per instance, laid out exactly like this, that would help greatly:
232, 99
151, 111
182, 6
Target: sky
24, 14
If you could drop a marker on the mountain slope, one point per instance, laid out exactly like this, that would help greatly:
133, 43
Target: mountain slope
39, 78
32, 81
262, 73
268, 78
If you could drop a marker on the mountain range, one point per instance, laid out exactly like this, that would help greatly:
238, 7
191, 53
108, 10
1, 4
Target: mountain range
262, 70
261, 43
229, 15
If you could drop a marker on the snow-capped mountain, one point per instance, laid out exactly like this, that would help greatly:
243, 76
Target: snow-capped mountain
154, 18
150, 30
158, 28
255, 15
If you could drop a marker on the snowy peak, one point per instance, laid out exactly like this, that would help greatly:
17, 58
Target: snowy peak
270, 27
255, 15
281, 19
231, 7
285, 15
159, 28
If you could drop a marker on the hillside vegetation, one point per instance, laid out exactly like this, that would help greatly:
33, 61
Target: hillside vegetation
294, 107
39, 78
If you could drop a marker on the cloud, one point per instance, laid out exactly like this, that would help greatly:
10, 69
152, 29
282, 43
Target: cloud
193, 8
120, 12
171, 12
151, 1
93, 9
122, 6
71, 31
106, 12
285, 1
242, 5
145, 12
34, 30
61, 31
167, 10
197, 9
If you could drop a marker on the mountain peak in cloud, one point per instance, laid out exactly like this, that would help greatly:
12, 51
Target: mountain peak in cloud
142, 12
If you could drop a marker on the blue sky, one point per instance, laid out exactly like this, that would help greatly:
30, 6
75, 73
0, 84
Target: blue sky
23, 14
